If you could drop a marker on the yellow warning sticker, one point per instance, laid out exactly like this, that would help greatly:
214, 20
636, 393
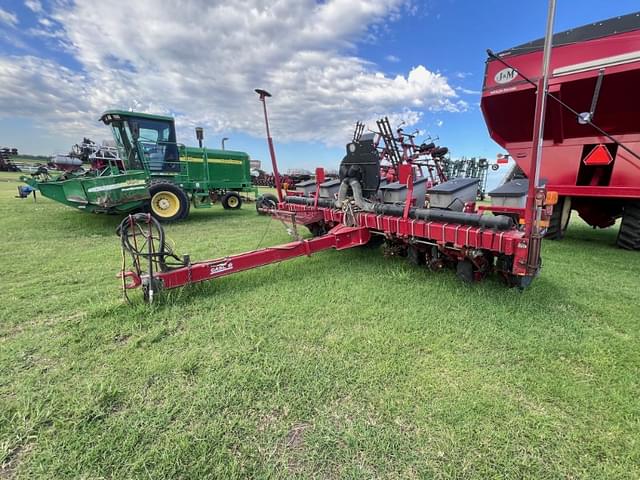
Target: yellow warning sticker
224, 161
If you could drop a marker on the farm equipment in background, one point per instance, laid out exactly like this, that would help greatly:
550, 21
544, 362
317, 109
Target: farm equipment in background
6, 164
591, 133
433, 161
471, 168
400, 149
148, 169
87, 153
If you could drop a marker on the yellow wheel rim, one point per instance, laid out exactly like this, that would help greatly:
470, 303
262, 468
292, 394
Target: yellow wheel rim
232, 201
165, 204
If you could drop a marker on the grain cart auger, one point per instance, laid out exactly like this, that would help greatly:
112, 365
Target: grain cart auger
449, 232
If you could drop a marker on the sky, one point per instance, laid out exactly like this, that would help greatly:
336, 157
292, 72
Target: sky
327, 63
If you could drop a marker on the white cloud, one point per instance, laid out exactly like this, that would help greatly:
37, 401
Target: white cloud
439, 123
202, 60
33, 5
27, 86
9, 18
468, 91
392, 59
463, 74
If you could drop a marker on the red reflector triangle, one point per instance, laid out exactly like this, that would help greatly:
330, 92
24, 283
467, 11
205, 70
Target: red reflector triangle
598, 156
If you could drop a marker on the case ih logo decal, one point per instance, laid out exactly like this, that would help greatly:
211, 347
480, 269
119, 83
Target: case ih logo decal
221, 267
505, 75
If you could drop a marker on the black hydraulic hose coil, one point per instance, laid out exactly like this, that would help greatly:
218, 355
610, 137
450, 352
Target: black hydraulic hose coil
497, 222
322, 202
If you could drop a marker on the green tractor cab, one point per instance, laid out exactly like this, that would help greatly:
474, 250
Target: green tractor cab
151, 171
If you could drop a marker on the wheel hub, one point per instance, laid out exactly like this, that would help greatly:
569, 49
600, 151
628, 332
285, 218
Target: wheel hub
165, 204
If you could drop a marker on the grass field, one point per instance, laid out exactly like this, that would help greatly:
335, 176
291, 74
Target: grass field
343, 365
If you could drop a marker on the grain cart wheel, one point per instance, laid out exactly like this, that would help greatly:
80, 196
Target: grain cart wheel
629, 233
231, 201
559, 219
266, 201
168, 202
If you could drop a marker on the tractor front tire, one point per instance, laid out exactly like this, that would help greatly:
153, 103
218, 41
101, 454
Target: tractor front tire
629, 233
231, 201
559, 220
169, 203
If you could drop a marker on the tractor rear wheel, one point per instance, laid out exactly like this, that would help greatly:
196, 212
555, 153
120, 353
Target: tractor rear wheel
629, 233
169, 202
231, 201
559, 219
266, 201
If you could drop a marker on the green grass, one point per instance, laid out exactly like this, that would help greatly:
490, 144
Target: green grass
346, 364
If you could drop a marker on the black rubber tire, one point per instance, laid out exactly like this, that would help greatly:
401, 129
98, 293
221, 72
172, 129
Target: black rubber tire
521, 282
183, 199
266, 200
186, 211
504, 265
317, 229
464, 271
231, 201
375, 241
629, 232
559, 220
415, 256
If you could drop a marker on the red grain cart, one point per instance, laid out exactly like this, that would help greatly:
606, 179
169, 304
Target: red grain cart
591, 146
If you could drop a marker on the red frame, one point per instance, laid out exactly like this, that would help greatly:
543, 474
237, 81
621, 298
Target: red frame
449, 236
509, 242
339, 238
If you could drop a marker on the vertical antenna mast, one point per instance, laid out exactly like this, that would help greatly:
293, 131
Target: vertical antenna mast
263, 94
534, 207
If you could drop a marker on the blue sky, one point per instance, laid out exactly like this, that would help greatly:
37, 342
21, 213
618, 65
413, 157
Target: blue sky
62, 62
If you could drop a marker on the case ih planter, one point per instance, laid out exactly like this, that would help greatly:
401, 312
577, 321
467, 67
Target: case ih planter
475, 242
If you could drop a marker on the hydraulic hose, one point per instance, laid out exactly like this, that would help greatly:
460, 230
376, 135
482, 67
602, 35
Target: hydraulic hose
497, 222
322, 202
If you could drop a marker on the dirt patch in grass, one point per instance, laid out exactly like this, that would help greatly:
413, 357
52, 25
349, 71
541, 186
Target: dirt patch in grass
295, 437
121, 338
9, 467
292, 448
